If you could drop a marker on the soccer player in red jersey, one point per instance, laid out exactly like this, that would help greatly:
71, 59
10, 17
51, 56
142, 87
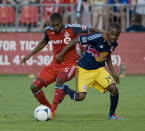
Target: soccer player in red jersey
60, 35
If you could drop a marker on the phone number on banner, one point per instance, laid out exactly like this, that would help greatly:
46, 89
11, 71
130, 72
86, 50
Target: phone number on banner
40, 60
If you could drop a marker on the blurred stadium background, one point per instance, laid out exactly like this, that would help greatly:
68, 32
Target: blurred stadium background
21, 28
22, 24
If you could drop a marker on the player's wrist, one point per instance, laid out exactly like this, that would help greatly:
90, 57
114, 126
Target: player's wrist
29, 56
62, 53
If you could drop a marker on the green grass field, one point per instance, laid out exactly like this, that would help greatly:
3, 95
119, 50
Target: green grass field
17, 105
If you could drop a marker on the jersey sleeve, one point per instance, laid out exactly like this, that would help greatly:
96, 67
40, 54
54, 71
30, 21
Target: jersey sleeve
90, 39
45, 38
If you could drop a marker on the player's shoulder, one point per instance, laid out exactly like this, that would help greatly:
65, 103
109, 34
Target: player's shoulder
48, 28
95, 36
73, 26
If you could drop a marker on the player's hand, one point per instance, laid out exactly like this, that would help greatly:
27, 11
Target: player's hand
106, 37
116, 78
25, 58
59, 58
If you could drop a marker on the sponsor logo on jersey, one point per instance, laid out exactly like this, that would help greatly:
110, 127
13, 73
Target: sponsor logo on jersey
67, 40
94, 52
56, 41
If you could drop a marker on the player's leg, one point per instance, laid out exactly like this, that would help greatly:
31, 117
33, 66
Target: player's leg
106, 83
65, 73
84, 80
45, 77
36, 88
114, 98
76, 96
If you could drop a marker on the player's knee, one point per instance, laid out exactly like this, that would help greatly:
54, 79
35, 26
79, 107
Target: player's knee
36, 85
59, 82
61, 78
113, 89
35, 88
80, 96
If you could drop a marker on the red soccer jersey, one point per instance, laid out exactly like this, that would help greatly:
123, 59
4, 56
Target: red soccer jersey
61, 39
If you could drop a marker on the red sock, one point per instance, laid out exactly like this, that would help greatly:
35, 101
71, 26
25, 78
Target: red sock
59, 94
42, 99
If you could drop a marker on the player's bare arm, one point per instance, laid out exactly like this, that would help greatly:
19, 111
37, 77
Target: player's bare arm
105, 34
59, 56
39, 47
111, 68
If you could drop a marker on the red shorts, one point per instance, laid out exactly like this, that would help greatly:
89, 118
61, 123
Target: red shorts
49, 73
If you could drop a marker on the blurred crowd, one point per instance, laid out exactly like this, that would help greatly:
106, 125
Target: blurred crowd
117, 12
95, 13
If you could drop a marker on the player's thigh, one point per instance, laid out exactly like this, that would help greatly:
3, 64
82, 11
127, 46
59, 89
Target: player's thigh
99, 87
104, 79
66, 72
47, 75
84, 79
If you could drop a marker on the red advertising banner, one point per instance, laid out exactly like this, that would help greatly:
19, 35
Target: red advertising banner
131, 51
13, 46
129, 56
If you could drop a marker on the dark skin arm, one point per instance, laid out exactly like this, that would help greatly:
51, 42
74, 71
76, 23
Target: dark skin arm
114, 75
39, 47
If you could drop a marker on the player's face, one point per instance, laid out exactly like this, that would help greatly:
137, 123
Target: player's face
114, 34
57, 25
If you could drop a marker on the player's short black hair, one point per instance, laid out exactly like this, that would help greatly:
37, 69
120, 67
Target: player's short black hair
55, 16
115, 26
